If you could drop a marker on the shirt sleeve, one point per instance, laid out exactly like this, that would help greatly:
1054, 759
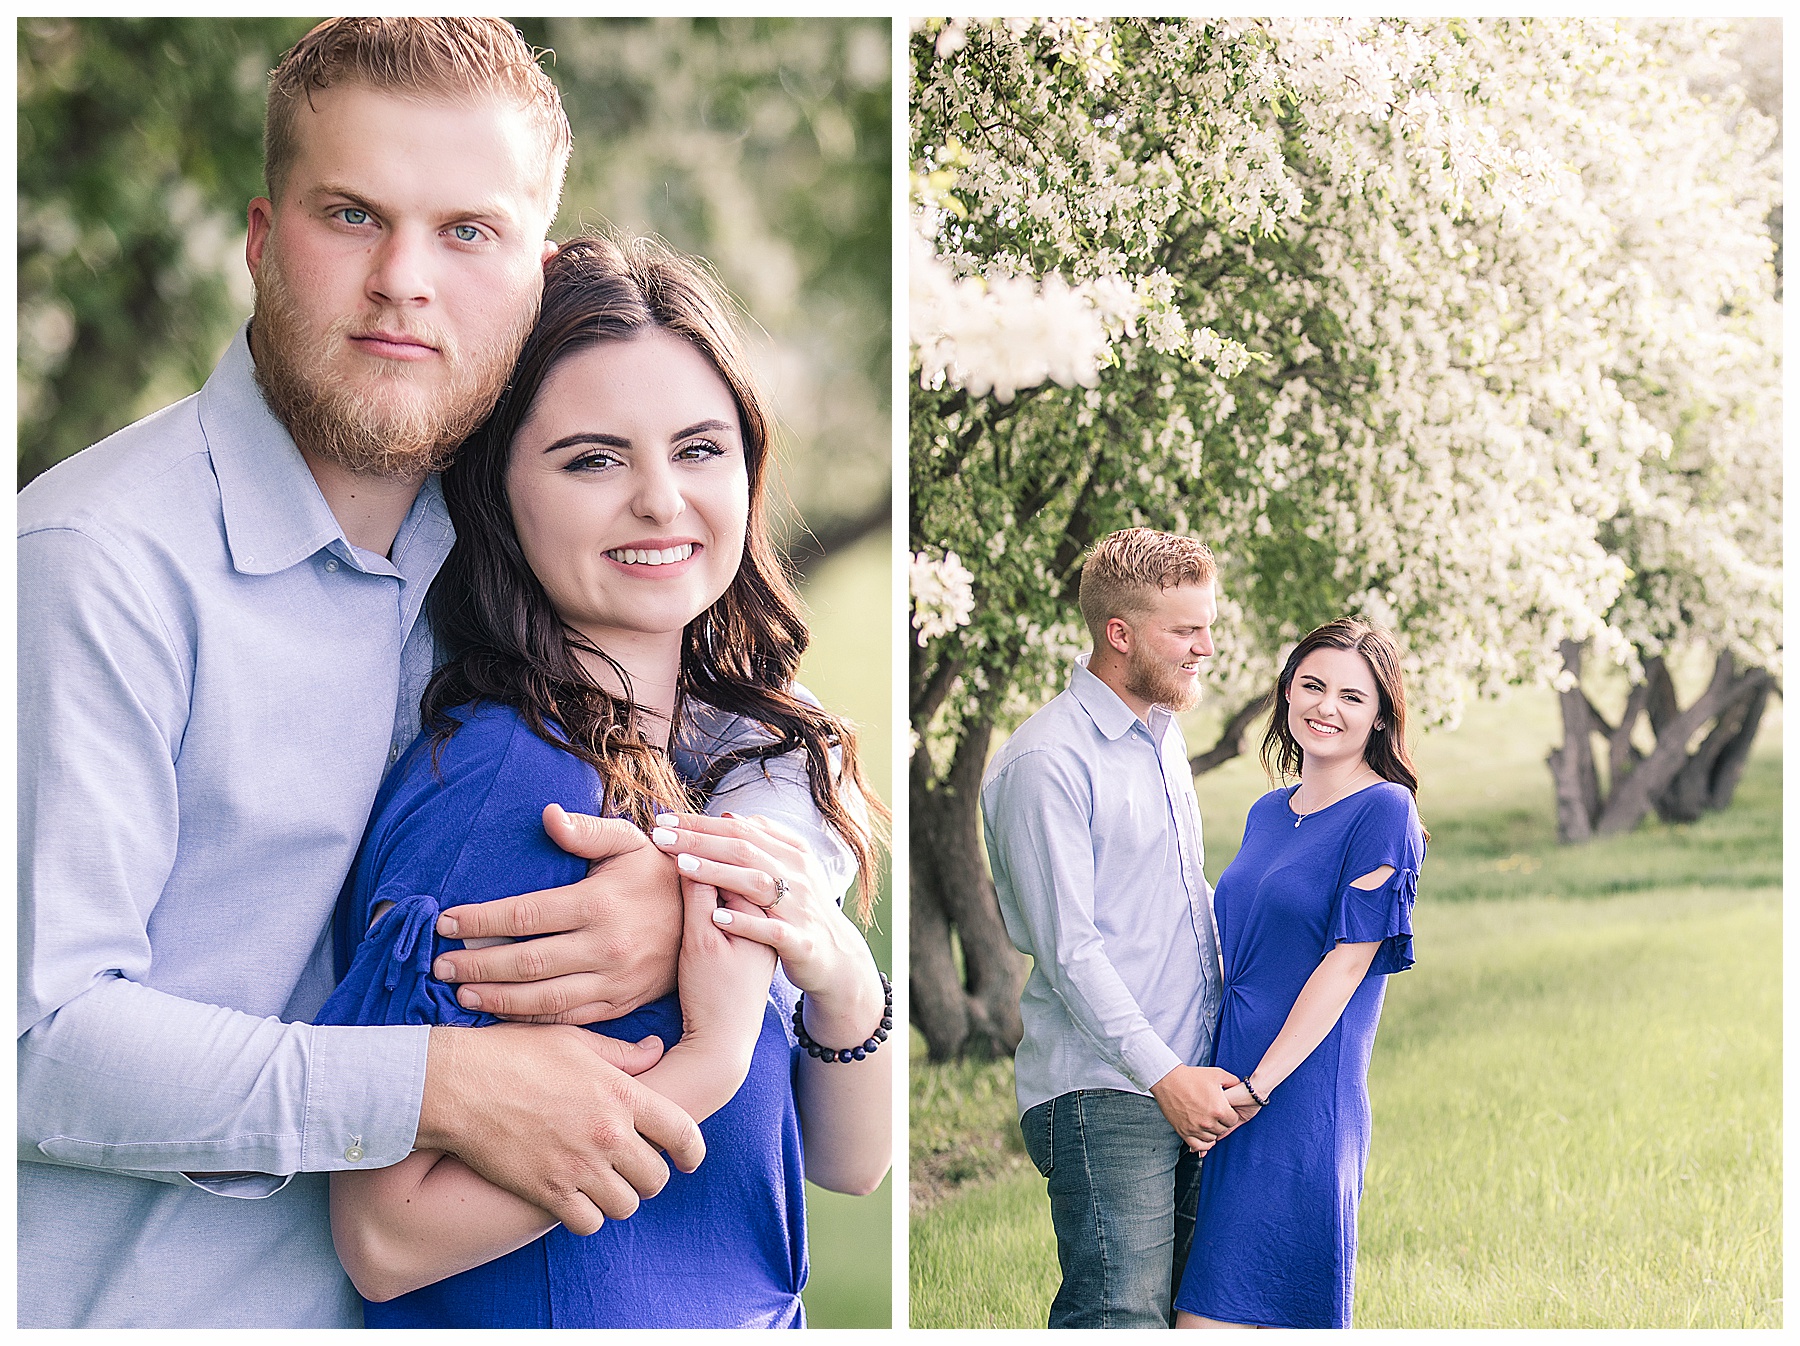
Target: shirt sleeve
778, 789
1038, 812
113, 1074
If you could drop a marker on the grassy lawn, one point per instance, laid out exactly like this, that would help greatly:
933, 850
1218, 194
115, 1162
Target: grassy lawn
848, 668
1576, 1091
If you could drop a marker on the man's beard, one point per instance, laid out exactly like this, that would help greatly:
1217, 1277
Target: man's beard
383, 423
1160, 685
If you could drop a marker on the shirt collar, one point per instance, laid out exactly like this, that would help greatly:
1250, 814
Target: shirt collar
275, 514
1111, 716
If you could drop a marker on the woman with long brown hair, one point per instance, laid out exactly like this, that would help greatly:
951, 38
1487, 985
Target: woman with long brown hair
1314, 912
612, 593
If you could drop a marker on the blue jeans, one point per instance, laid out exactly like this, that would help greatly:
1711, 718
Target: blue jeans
1123, 1190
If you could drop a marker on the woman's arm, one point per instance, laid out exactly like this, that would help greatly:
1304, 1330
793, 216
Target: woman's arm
1315, 1013
430, 1216
845, 1107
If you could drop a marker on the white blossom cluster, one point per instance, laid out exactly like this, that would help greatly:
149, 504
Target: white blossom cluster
942, 596
1466, 325
1010, 332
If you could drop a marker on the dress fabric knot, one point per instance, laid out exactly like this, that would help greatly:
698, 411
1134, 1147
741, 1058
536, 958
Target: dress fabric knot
390, 979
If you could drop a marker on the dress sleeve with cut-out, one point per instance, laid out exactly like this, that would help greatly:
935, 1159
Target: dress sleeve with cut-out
1386, 832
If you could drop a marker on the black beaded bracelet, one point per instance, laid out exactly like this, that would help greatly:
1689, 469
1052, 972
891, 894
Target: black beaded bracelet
848, 1053
1251, 1090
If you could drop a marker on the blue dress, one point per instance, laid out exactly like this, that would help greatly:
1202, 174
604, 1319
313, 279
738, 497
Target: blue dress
724, 1246
1275, 1236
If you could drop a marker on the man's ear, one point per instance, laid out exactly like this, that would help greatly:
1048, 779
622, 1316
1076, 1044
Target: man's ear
551, 248
1118, 635
261, 220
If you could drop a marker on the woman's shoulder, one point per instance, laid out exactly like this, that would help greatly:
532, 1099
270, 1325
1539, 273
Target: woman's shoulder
1390, 799
487, 732
1274, 802
1387, 807
489, 749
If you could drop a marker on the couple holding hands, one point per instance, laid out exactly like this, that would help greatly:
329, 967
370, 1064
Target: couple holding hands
1193, 1074
455, 576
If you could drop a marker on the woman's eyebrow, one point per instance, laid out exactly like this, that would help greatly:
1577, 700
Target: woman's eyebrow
589, 437
699, 426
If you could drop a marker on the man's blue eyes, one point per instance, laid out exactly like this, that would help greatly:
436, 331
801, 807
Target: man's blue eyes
462, 233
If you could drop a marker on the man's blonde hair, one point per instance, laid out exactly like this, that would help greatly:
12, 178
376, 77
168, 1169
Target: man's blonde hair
1127, 569
456, 58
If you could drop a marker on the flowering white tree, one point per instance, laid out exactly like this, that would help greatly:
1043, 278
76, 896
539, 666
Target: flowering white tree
1468, 326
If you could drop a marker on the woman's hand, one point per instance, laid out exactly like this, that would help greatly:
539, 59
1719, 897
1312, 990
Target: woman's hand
777, 896
1245, 1106
723, 981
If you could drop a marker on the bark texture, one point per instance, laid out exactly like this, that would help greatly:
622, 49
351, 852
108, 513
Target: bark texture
1678, 781
975, 1012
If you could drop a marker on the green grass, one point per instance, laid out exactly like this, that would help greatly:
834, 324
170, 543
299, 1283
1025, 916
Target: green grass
1576, 1090
1578, 1117
848, 667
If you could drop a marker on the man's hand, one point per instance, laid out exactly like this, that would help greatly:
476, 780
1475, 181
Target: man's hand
553, 1115
1193, 1099
610, 941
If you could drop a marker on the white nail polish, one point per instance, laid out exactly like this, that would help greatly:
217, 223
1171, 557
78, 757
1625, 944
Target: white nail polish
687, 864
721, 917
662, 836
666, 820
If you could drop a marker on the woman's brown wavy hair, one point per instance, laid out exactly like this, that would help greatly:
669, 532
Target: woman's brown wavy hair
1386, 751
503, 639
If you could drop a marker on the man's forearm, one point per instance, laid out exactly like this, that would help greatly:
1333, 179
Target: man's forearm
130, 1079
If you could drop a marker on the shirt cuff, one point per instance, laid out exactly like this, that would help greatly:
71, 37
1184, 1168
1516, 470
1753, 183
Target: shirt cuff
1147, 1059
364, 1088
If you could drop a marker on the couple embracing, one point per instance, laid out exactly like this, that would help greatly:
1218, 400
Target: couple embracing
454, 577
1192, 1077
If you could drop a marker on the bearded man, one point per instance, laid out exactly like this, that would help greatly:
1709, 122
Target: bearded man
1093, 832
221, 651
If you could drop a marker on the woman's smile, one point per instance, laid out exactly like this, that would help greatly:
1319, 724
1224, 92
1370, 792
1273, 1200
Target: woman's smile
648, 555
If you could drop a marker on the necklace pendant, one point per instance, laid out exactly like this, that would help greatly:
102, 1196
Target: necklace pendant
1299, 820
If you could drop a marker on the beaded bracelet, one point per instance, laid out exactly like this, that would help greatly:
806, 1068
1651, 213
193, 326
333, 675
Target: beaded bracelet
848, 1053
1251, 1090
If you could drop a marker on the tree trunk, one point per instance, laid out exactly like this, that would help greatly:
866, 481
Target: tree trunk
977, 1014
1679, 785
1572, 764
1710, 777
1231, 738
1631, 799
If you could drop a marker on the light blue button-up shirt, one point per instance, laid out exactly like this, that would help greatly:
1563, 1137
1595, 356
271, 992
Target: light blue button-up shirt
212, 681
1093, 833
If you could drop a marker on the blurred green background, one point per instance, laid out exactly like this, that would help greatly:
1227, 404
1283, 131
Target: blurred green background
761, 144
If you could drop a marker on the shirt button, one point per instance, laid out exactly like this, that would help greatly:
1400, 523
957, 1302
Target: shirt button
331, 565
355, 1153
393, 755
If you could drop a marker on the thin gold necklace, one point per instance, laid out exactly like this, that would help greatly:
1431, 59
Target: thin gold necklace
1344, 794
